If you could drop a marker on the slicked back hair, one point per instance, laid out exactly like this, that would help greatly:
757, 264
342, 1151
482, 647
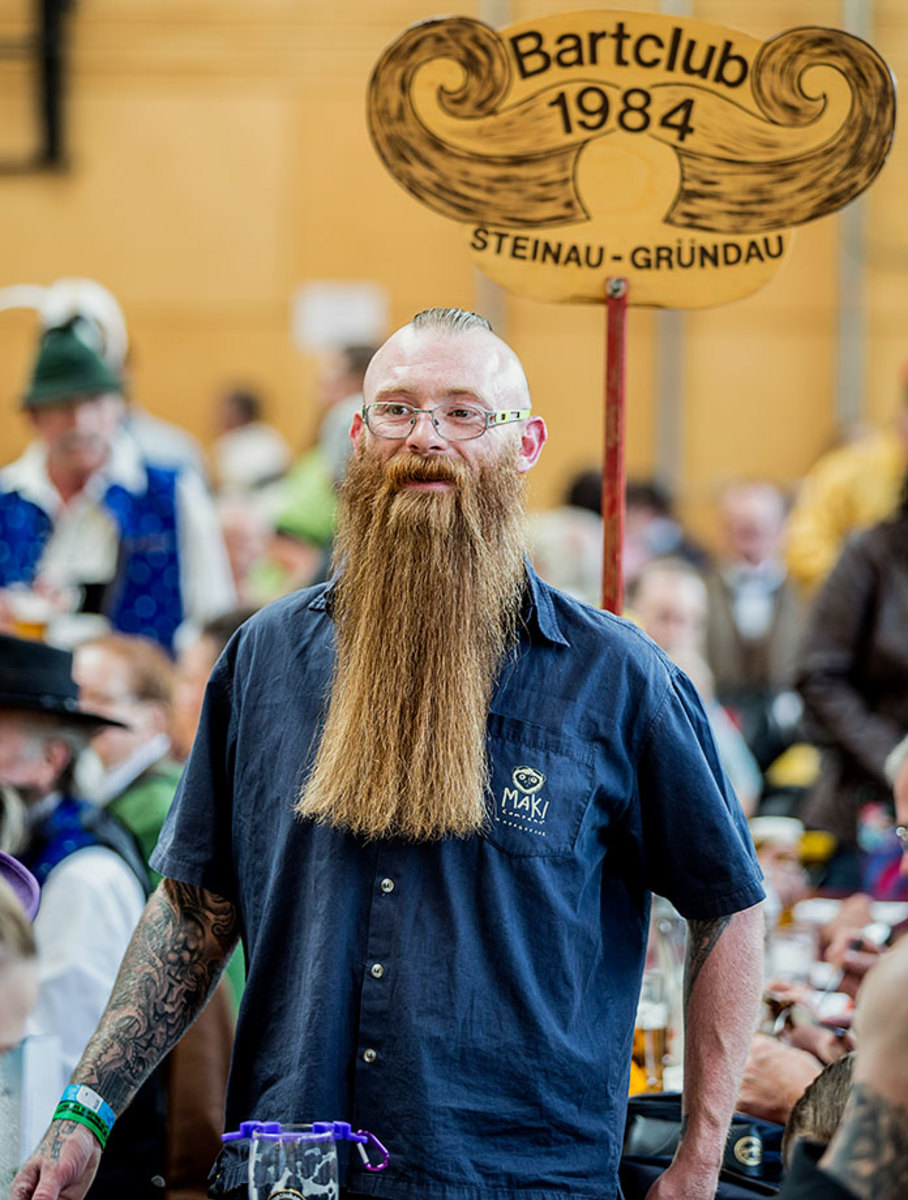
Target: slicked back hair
450, 320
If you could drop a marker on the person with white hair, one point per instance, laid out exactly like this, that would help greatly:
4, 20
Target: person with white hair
87, 524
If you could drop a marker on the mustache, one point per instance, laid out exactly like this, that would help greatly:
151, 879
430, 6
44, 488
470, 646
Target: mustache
78, 440
412, 468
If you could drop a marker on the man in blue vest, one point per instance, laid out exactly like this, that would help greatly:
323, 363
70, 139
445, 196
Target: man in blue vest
88, 526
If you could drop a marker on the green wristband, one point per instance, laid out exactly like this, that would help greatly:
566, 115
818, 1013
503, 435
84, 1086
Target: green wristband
72, 1110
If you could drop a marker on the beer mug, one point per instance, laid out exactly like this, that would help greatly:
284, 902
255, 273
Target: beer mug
651, 1030
291, 1162
791, 953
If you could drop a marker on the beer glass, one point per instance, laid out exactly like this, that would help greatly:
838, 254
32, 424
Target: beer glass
651, 1029
292, 1163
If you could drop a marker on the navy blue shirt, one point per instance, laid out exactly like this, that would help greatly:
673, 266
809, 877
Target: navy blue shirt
471, 1001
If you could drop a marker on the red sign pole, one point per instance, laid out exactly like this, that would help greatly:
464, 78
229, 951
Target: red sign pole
613, 457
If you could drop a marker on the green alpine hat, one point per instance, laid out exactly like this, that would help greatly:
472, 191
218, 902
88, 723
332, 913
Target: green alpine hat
67, 366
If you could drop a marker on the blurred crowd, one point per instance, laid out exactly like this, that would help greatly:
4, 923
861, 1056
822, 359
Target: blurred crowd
128, 558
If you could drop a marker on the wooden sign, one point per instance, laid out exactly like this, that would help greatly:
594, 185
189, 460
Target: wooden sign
673, 153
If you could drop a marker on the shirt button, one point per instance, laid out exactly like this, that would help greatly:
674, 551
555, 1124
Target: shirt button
376, 970
369, 1056
387, 885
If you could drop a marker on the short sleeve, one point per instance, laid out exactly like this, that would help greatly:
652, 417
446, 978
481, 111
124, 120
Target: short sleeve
195, 842
697, 846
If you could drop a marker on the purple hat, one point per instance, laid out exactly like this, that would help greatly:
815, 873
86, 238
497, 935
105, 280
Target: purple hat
23, 883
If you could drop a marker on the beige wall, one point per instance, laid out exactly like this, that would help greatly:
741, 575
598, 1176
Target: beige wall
219, 158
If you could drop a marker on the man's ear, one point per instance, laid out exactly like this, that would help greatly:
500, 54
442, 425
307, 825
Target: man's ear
356, 429
55, 757
532, 439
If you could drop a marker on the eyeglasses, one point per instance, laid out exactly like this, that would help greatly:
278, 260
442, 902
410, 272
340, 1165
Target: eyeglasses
455, 422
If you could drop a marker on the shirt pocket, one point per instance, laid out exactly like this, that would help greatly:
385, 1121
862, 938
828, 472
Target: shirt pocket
541, 788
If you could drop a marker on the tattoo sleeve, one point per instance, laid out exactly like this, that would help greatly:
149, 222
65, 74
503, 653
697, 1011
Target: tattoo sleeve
869, 1153
702, 937
170, 968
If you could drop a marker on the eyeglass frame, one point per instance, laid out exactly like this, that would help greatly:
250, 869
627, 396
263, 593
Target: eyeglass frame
493, 418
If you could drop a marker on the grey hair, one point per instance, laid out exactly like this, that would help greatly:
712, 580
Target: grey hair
13, 821
38, 729
450, 320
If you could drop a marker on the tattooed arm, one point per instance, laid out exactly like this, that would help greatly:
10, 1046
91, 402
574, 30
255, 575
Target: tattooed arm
723, 977
869, 1153
169, 970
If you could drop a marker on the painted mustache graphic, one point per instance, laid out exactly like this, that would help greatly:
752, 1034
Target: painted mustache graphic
766, 152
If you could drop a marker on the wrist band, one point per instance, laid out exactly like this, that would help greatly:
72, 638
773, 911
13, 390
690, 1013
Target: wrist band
83, 1094
69, 1110
82, 1104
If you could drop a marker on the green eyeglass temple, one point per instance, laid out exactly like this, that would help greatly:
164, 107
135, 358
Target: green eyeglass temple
492, 418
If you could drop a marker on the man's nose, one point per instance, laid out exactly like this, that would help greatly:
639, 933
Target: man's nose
83, 417
424, 438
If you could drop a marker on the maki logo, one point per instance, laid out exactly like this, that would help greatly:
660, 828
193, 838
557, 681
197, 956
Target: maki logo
527, 779
523, 806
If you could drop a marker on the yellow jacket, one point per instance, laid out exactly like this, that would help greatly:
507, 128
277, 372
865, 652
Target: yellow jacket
848, 489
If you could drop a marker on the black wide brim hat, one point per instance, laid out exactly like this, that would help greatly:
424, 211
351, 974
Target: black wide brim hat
35, 677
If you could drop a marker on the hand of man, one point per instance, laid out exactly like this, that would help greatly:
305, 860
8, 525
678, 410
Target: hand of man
823, 1043
854, 956
63, 1166
775, 1076
854, 913
685, 1181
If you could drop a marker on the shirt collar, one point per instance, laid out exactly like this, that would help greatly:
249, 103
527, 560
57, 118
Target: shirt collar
28, 474
125, 466
538, 610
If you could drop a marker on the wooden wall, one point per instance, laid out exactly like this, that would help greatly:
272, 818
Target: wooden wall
219, 158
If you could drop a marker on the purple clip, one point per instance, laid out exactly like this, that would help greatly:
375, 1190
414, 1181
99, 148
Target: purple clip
247, 1128
364, 1136
342, 1132
339, 1130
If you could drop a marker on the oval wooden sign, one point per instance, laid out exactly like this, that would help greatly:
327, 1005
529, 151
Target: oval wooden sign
676, 153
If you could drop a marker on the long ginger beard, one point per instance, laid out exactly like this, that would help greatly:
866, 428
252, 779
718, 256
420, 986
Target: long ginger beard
425, 609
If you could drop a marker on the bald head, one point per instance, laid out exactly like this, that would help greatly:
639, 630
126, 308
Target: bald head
450, 338
753, 514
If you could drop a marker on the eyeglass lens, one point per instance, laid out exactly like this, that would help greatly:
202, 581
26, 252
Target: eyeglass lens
455, 421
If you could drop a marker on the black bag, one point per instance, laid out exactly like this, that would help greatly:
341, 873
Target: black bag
753, 1160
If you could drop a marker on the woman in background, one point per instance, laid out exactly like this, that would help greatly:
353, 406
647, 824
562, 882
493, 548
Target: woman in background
853, 676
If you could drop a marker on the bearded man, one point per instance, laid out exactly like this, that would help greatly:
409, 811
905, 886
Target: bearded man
434, 798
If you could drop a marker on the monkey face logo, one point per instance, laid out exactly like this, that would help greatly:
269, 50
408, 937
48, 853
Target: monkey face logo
528, 779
